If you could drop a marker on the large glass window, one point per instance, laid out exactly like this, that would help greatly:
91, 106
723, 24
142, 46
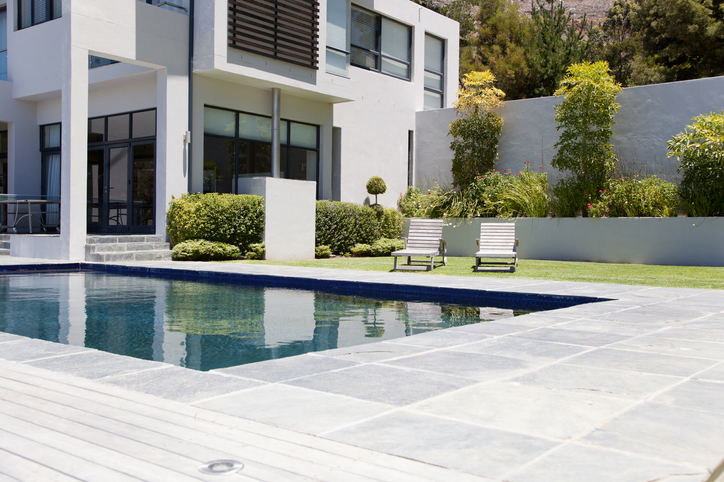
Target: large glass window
380, 44
3, 44
238, 145
337, 31
434, 72
50, 176
33, 12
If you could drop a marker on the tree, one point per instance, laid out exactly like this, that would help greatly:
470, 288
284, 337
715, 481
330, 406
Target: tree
475, 133
700, 150
376, 185
585, 117
555, 43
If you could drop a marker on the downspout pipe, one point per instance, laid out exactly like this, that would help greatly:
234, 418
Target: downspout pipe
275, 143
189, 164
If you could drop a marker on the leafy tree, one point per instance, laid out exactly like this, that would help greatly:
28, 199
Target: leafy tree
700, 150
475, 133
684, 37
555, 43
585, 117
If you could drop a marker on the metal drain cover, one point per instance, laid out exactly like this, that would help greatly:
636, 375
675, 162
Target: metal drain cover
221, 467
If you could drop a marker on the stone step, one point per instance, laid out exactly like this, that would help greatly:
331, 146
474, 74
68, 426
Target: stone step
4, 244
123, 247
155, 255
128, 238
4, 252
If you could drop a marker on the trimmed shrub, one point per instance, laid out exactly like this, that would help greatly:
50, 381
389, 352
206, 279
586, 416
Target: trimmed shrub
341, 225
376, 185
381, 247
390, 223
636, 197
256, 251
203, 250
322, 252
227, 218
700, 150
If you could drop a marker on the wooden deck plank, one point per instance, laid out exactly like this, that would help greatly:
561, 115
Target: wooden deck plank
59, 460
15, 467
320, 458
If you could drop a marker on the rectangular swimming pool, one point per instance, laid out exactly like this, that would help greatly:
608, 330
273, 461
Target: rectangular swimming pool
211, 324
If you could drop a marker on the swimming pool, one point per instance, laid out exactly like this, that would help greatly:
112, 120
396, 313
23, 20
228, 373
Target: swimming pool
219, 323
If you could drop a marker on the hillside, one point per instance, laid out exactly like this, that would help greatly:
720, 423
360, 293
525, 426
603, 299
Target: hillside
595, 10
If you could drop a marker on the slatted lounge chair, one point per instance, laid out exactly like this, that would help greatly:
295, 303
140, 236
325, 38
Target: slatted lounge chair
424, 240
497, 241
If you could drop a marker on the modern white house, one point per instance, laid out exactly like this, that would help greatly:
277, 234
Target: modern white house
108, 108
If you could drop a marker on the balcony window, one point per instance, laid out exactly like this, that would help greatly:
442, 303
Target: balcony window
380, 44
337, 37
434, 72
3, 44
33, 12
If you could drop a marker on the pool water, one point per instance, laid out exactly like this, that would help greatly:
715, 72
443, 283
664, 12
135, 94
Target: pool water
204, 325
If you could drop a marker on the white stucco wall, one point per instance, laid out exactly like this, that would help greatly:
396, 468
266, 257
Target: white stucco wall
649, 116
375, 127
663, 241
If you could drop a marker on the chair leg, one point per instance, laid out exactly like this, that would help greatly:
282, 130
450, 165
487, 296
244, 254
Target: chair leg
395, 267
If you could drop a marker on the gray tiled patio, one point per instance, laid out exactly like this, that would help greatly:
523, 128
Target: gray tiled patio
626, 390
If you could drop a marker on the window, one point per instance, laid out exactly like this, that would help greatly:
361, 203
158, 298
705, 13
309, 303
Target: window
94, 62
434, 72
238, 145
337, 32
33, 12
380, 44
50, 175
3, 44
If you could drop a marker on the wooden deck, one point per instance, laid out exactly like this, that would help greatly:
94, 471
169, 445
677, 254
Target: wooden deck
58, 427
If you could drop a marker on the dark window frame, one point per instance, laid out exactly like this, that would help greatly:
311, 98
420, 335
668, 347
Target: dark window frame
3, 9
130, 127
45, 152
441, 74
49, 12
377, 53
284, 142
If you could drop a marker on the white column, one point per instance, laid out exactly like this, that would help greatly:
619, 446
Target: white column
74, 150
171, 126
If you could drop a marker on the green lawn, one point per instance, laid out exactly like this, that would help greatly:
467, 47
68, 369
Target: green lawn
629, 274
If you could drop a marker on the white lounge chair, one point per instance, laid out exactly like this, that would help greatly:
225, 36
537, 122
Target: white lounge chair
497, 241
423, 240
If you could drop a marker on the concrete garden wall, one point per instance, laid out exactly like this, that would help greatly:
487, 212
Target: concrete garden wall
650, 115
663, 241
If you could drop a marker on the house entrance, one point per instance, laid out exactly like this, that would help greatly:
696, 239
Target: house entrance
121, 188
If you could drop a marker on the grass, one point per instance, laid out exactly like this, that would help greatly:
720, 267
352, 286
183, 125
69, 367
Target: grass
627, 274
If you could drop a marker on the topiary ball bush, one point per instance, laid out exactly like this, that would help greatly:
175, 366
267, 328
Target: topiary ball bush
203, 250
376, 185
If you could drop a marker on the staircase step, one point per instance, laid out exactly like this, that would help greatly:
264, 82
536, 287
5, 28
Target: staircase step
124, 247
129, 238
155, 255
4, 251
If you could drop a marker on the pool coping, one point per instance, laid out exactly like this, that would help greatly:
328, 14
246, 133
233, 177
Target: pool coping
369, 421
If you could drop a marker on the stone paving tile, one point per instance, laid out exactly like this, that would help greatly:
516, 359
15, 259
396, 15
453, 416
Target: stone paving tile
669, 433
470, 448
372, 352
27, 349
599, 325
694, 333
659, 343
535, 411
695, 395
605, 381
285, 368
95, 364
522, 349
383, 384
573, 337
439, 339
295, 408
714, 374
570, 462
474, 366
180, 384
497, 328
6, 337
678, 366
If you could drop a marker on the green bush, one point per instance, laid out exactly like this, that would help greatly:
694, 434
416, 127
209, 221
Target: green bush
227, 218
322, 252
527, 197
381, 247
203, 250
376, 185
482, 198
414, 204
390, 223
700, 150
341, 225
256, 251
572, 197
636, 197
